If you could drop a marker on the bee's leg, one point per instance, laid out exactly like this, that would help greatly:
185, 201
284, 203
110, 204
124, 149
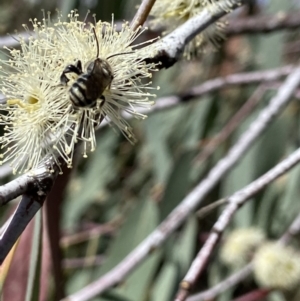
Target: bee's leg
78, 65
77, 69
100, 116
63, 79
102, 101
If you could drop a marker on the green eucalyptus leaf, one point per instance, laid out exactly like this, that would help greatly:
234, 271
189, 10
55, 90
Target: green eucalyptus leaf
165, 283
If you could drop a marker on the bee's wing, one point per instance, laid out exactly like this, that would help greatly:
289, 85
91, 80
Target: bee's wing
3, 99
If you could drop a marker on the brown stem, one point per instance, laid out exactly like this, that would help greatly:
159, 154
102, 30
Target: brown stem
142, 14
263, 24
53, 217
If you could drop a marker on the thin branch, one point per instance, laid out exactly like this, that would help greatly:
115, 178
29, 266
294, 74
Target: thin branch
243, 78
76, 238
53, 208
30, 204
291, 47
260, 24
170, 48
25, 183
235, 121
231, 125
193, 199
221, 287
234, 203
242, 274
142, 14
80, 263
250, 25
293, 230
204, 211
34, 188
15, 188
263, 24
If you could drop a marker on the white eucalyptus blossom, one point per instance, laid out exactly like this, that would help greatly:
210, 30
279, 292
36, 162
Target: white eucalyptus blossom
276, 266
239, 246
39, 118
171, 14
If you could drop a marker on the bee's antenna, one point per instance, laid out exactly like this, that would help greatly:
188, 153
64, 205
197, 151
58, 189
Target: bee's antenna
116, 54
96, 41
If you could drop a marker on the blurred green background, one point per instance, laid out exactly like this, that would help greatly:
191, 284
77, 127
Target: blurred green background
121, 192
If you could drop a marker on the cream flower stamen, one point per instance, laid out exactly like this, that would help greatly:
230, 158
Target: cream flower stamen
39, 117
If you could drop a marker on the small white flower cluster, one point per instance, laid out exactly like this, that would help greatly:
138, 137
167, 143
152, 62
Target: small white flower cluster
277, 266
240, 244
39, 118
171, 14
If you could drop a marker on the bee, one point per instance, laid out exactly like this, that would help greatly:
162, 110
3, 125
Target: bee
89, 86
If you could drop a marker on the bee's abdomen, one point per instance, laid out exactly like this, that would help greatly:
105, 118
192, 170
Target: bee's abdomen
79, 93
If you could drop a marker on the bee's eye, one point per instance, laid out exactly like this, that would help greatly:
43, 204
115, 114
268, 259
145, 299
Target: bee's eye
90, 67
105, 71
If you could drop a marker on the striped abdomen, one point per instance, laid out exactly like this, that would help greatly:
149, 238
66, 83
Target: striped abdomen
84, 92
